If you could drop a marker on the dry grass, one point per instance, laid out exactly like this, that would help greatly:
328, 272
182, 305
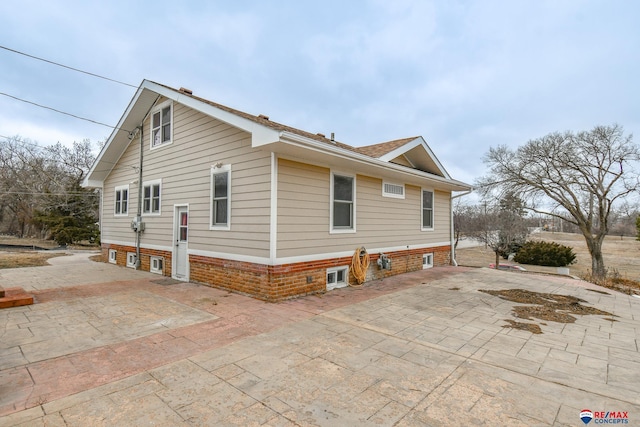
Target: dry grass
26, 259
621, 257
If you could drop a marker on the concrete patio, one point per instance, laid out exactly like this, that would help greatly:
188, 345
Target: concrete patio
107, 345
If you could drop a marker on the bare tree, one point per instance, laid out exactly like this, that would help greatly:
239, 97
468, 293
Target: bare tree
501, 227
463, 220
584, 173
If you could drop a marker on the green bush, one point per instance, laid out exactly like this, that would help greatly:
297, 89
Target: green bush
545, 253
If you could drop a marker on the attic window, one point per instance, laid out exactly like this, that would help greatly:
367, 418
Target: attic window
161, 129
395, 191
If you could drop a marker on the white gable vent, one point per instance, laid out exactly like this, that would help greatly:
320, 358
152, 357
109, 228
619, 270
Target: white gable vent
393, 190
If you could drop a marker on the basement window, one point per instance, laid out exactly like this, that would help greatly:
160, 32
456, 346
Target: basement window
113, 254
427, 261
131, 259
156, 264
337, 277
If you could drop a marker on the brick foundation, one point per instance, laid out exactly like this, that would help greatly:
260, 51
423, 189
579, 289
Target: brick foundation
145, 257
284, 281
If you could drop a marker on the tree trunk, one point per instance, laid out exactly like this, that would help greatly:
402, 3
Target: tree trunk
594, 244
597, 263
497, 265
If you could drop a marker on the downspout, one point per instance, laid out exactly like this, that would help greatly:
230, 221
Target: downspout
140, 189
451, 233
138, 219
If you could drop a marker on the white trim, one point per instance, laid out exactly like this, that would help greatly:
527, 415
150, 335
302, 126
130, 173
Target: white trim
352, 229
429, 261
174, 258
113, 259
433, 209
391, 194
332, 255
215, 170
159, 108
285, 260
152, 183
115, 192
273, 222
337, 284
232, 257
419, 141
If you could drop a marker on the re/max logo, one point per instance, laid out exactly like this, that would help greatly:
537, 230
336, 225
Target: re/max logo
611, 415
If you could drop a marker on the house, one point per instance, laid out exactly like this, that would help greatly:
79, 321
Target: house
201, 192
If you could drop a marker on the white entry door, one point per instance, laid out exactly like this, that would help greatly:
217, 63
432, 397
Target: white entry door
181, 236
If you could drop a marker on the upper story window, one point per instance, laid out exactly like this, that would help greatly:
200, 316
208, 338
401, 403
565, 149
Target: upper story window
427, 210
121, 205
161, 124
343, 192
151, 197
221, 197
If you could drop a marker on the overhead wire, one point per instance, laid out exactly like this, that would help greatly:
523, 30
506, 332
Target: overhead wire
67, 67
62, 112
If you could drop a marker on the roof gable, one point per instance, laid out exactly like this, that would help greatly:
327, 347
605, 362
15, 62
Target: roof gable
414, 150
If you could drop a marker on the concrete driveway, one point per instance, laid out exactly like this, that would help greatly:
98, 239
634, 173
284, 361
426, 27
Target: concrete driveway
106, 345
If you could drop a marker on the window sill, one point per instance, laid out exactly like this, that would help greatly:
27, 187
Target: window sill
342, 230
158, 146
220, 228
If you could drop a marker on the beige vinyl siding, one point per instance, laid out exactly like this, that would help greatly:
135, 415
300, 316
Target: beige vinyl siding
118, 228
184, 166
381, 222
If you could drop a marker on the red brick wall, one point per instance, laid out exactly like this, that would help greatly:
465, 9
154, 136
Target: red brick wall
280, 282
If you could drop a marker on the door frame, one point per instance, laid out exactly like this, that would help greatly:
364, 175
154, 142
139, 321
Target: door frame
174, 251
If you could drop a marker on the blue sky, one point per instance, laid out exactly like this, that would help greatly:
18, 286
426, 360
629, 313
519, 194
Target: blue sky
466, 75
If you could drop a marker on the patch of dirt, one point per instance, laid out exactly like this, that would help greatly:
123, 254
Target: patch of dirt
544, 306
26, 259
454, 289
531, 327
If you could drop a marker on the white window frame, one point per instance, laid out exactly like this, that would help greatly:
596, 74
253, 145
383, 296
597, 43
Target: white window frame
385, 187
337, 283
158, 109
131, 259
427, 261
151, 184
159, 264
352, 228
113, 256
433, 209
216, 170
117, 210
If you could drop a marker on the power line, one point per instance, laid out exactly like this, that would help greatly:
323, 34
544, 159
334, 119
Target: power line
67, 67
40, 193
62, 112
